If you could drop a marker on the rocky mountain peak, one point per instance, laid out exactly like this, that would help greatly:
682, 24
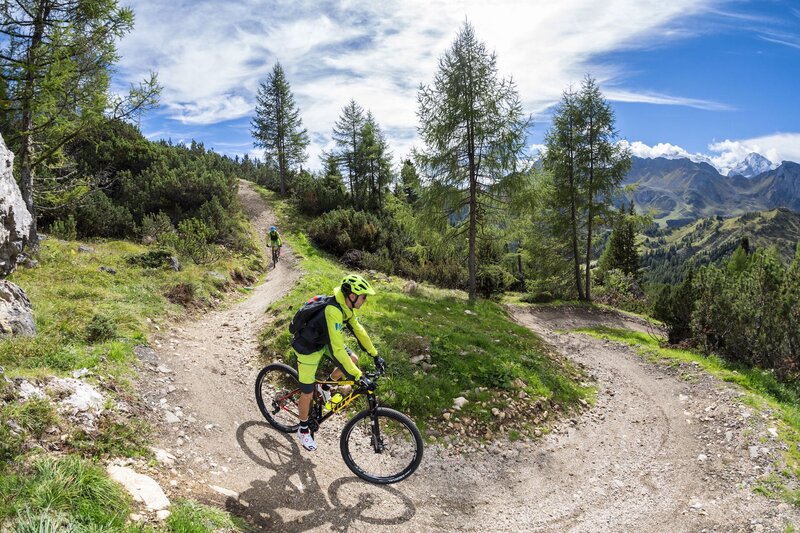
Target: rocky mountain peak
752, 165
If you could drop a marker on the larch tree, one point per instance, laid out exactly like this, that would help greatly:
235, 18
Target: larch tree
603, 162
347, 136
56, 58
587, 166
474, 130
376, 160
562, 142
277, 126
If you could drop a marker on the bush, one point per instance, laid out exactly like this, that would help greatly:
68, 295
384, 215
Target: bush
193, 241
493, 279
739, 312
182, 294
345, 229
153, 259
674, 307
316, 196
621, 290
64, 229
101, 328
98, 216
537, 297
154, 225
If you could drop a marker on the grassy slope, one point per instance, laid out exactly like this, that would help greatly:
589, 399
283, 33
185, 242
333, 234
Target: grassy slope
45, 480
777, 227
763, 391
477, 356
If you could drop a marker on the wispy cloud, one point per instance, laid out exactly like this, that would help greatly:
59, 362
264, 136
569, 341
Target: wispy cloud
211, 55
664, 99
787, 41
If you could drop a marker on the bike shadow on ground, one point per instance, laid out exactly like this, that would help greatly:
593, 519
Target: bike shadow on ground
290, 497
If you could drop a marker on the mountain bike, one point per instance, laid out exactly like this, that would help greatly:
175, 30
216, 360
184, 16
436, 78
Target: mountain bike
379, 445
276, 254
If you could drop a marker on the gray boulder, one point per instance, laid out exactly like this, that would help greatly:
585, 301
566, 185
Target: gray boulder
15, 219
16, 314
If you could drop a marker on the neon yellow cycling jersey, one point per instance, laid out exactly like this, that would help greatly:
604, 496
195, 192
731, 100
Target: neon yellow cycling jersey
274, 239
336, 320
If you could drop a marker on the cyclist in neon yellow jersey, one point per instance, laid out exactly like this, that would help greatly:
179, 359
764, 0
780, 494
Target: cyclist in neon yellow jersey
274, 238
323, 335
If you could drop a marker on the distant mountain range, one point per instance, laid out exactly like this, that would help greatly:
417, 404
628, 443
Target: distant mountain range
679, 191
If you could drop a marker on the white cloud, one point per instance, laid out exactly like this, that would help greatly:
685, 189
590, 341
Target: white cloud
210, 55
724, 155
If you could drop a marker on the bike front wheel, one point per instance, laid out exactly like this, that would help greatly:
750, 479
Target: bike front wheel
381, 447
277, 395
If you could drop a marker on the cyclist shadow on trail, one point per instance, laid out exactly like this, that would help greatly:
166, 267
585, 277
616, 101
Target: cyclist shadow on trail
291, 499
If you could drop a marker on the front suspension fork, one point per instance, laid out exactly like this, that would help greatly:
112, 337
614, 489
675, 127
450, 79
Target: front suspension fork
377, 440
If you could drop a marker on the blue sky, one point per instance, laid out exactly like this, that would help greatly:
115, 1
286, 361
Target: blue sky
712, 79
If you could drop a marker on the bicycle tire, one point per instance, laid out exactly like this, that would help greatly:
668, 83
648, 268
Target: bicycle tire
400, 458
277, 396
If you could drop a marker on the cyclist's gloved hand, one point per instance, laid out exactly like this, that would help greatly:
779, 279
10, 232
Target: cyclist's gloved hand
380, 364
366, 383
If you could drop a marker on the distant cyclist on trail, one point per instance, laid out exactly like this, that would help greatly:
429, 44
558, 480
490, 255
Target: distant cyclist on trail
323, 334
275, 242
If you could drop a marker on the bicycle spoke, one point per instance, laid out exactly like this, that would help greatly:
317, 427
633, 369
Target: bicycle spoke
385, 458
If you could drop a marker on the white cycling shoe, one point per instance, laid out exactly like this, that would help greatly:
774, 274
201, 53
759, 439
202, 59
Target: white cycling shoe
307, 440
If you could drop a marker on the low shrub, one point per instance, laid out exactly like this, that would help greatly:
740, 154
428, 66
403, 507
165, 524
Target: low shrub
64, 229
101, 328
151, 259
183, 294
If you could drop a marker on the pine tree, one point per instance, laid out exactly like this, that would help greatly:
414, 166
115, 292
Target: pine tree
474, 132
277, 126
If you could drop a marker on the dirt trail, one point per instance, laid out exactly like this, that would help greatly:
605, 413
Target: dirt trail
666, 449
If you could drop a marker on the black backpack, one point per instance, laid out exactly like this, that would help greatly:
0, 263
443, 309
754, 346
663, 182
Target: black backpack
308, 324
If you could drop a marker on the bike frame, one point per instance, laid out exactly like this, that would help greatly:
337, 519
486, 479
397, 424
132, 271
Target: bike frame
318, 418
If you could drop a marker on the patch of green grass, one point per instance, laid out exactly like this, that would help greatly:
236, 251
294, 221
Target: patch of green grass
764, 390
34, 415
471, 350
189, 516
71, 489
115, 438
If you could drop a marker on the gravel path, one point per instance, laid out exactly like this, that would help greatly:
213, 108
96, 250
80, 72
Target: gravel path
664, 448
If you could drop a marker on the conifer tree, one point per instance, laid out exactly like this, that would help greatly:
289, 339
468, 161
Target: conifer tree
588, 167
474, 132
277, 126
347, 136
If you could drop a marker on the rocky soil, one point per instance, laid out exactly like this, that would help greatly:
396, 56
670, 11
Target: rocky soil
667, 448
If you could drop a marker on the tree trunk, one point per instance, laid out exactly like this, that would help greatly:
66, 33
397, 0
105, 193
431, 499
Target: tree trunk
473, 218
26, 185
591, 211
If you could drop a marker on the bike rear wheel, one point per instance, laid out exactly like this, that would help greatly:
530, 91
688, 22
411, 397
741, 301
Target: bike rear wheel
384, 447
277, 395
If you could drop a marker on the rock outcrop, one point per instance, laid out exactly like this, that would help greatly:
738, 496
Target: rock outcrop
16, 314
15, 219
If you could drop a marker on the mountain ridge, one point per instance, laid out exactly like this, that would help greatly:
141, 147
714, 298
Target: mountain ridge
679, 191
